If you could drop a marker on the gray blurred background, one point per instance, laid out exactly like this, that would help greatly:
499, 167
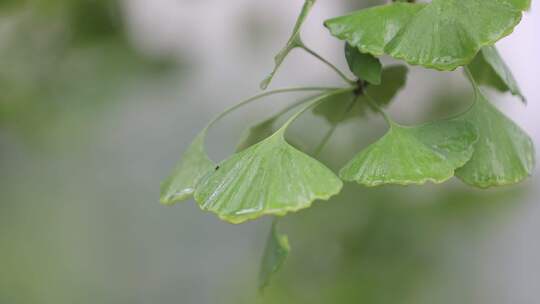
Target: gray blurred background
98, 99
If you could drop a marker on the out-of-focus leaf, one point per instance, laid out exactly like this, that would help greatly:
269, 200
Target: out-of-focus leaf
194, 165
504, 153
266, 128
488, 68
442, 35
58, 66
413, 155
339, 108
271, 177
257, 133
364, 66
394, 79
346, 106
8, 4
293, 42
275, 253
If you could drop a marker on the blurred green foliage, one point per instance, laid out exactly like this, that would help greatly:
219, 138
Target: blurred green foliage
62, 58
389, 246
83, 225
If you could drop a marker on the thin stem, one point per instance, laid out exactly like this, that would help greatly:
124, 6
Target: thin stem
469, 75
313, 103
328, 63
291, 106
331, 131
378, 109
472, 81
325, 140
264, 94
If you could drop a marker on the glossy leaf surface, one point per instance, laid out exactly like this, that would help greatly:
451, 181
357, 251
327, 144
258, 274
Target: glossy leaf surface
194, 164
504, 153
488, 68
443, 34
413, 155
271, 177
293, 42
364, 66
275, 253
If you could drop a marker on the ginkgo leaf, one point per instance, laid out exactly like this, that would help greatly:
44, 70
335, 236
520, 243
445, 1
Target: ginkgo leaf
488, 68
271, 177
257, 133
263, 130
194, 164
364, 66
413, 155
443, 34
293, 42
338, 108
275, 253
266, 128
393, 80
504, 154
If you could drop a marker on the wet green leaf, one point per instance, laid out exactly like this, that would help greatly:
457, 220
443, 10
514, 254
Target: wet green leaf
413, 155
364, 66
275, 253
194, 164
271, 177
488, 68
443, 34
293, 42
504, 153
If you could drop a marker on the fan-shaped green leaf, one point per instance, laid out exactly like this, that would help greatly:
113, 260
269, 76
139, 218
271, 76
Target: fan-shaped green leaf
413, 155
257, 133
370, 30
293, 42
338, 108
489, 68
364, 66
194, 164
443, 34
504, 154
275, 253
394, 79
267, 127
271, 177
263, 130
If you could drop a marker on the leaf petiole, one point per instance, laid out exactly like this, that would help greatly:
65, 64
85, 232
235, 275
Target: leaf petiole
294, 41
377, 108
328, 63
313, 103
474, 84
265, 94
332, 129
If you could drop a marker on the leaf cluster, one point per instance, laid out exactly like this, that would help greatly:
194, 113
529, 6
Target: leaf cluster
482, 147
